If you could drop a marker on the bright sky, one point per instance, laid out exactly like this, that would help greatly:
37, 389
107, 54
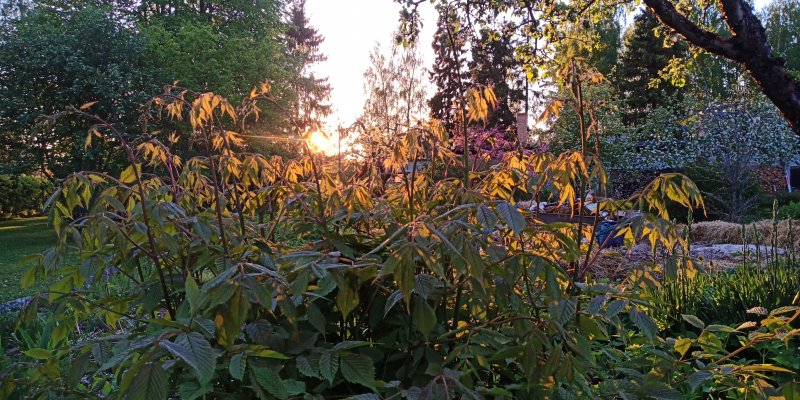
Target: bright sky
351, 28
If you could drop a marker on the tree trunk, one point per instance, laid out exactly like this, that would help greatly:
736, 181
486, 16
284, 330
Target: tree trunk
747, 46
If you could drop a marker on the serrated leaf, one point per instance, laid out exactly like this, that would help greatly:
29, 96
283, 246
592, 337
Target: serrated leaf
424, 285
349, 345
357, 368
347, 300
268, 353
486, 217
511, 217
694, 321
365, 396
697, 378
237, 366
644, 323
402, 266
195, 351
391, 301
328, 365
615, 307
148, 383
595, 304
193, 390
758, 311
563, 310
764, 367
720, 328
294, 387
271, 382
746, 325
304, 367
128, 175
783, 310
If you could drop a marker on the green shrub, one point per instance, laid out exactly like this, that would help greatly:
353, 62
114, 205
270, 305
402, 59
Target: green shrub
23, 195
789, 211
404, 288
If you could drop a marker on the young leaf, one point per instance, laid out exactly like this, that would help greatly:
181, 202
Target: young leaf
347, 299
682, 345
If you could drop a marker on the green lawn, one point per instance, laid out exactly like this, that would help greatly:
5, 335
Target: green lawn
19, 238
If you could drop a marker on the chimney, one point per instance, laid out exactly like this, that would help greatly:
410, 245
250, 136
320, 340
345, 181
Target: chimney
522, 128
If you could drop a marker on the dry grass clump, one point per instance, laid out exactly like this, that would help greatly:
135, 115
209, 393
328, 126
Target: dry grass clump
761, 232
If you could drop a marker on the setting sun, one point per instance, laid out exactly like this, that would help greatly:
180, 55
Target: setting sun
319, 142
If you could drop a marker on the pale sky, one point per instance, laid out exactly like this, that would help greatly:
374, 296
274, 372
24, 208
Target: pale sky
351, 28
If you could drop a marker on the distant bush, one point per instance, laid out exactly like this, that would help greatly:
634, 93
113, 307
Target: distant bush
23, 194
789, 211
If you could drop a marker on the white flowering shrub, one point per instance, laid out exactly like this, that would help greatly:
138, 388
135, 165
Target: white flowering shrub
724, 141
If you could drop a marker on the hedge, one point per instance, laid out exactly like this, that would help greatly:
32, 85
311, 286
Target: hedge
23, 195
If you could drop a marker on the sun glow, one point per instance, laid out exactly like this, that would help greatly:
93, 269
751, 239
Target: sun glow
319, 142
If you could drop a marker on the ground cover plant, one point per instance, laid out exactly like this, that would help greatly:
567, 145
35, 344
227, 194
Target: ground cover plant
182, 291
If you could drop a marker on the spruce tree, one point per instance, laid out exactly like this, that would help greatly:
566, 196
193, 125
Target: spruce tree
311, 92
643, 57
493, 64
447, 74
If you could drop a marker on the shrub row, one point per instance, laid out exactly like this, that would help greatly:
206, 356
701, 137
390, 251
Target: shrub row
23, 194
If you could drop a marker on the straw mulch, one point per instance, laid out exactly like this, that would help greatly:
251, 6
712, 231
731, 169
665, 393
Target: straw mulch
709, 246
758, 233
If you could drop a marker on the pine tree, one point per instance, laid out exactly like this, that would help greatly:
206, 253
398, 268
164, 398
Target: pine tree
644, 56
447, 74
312, 92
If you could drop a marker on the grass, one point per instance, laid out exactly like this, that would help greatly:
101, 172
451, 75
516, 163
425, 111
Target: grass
19, 238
